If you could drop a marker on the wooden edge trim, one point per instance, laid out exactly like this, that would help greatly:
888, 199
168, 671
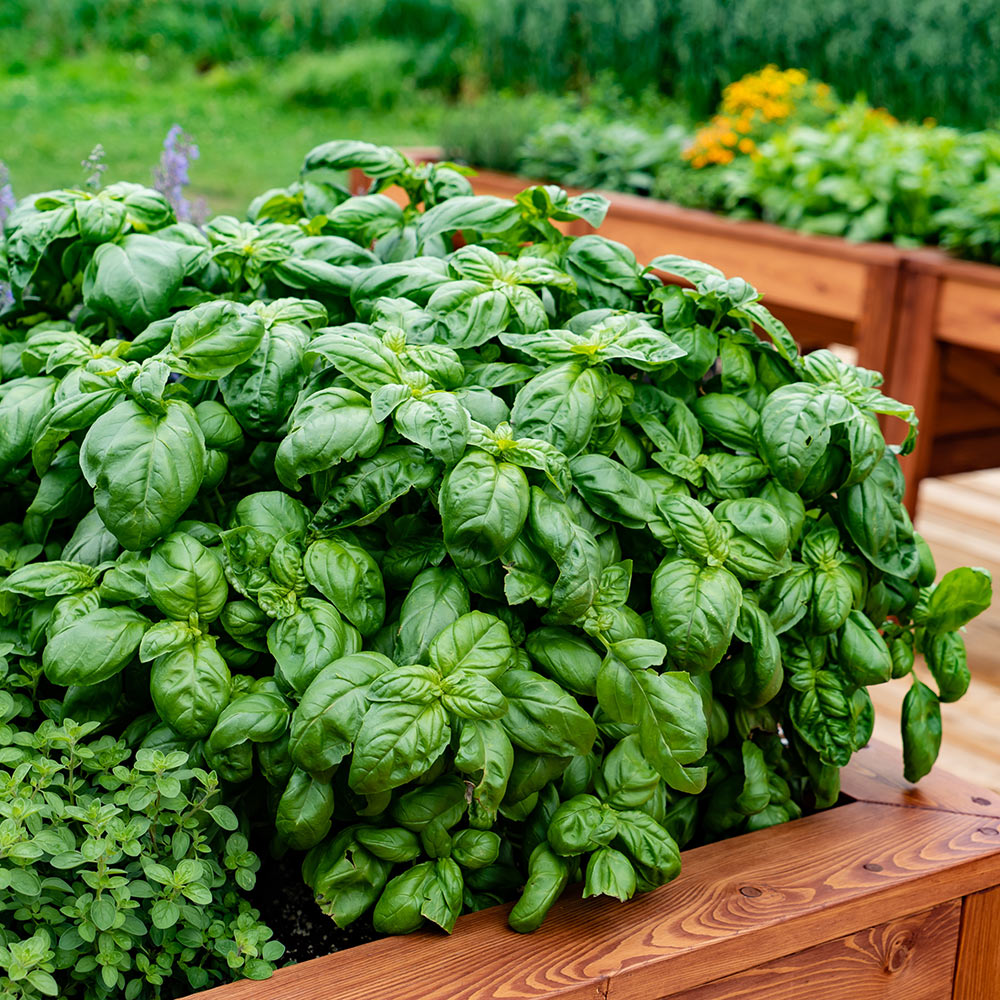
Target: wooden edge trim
736, 904
929, 260
875, 775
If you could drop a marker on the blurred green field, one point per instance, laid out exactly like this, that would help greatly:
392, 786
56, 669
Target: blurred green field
249, 138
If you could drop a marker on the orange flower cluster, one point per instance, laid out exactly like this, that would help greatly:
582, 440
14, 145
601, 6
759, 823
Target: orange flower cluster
751, 107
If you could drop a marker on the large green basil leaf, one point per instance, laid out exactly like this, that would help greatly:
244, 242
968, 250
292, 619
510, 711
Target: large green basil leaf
729, 419
484, 504
820, 710
574, 550
700, 535
695, 609
94, 647
328, 427
23, 407
260, 716
134, 281
795, 428
437, 598
262, 390
470, 695
184, 578
50, 579
759, 538
305, 811
560, 406
146, 469
309, 640
330, 711
476, 642
862, 651
486, 755
612, 491
190, 688
542, 717
397, 742
374, 486
652, 850
347, 576
212, 339
567, 658
921, 728
959, 596
945, 655
436, 421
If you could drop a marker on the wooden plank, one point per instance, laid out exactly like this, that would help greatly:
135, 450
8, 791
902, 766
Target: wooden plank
977, 371
912, 958
754, 898
876, 775
962, 453
969, 314
977, 975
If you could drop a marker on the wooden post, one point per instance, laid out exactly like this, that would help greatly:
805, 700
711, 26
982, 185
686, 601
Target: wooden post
876, 328
914, 368
977, 974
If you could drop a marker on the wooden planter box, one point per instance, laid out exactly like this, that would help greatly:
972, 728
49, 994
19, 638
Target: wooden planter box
892, 896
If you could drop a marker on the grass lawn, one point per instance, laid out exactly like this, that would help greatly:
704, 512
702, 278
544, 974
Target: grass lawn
54, 115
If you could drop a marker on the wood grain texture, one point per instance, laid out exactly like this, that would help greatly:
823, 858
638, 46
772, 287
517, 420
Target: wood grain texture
911, 958
808, 883
977, 975
969, 313
876, 775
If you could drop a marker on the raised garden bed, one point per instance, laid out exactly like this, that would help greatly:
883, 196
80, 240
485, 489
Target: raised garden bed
893, 894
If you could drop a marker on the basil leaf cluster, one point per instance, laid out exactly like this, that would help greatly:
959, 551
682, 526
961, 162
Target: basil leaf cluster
465, 549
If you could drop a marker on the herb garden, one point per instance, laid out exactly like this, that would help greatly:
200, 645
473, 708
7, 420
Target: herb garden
445, 554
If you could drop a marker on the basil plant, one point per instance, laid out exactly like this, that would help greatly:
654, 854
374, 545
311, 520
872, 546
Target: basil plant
474, 556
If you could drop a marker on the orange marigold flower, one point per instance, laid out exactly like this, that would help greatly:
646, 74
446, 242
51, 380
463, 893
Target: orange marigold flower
747, 146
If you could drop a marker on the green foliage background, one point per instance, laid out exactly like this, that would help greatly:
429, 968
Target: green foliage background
916, 57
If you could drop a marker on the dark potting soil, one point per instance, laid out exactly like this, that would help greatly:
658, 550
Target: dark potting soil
287, 906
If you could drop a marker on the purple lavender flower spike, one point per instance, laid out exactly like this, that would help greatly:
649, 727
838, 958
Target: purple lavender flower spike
171, 176
7, 199
94, 167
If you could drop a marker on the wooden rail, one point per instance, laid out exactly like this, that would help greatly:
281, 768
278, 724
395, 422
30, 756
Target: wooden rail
893, 895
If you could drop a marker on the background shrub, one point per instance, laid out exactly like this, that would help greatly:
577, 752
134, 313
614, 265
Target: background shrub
916, 57
368, 75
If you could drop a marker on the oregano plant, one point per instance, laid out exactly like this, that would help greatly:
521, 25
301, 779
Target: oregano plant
121, 870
